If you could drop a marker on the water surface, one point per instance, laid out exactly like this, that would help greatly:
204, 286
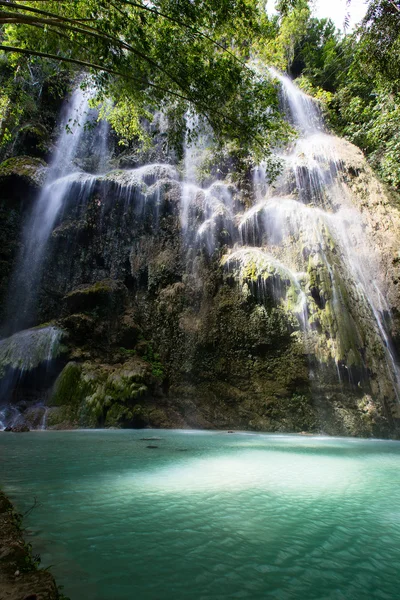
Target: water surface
208, 515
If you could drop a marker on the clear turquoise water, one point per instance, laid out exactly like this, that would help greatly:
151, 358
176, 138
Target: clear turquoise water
210, 515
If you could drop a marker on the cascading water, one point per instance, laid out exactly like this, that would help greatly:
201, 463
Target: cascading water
299, 244
308, 222
31, 353
26, 366
24, 286
204, 211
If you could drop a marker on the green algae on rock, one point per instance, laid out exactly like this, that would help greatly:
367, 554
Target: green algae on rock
23, 170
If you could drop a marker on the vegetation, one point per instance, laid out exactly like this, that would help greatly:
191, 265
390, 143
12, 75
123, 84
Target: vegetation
173, 55
356, 76
184, 57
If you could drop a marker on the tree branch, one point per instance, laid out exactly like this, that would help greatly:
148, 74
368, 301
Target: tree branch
201, 105
28, 20
135, 5
90, 65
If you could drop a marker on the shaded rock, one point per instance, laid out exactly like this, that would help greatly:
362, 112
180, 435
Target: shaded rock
21, 428
107, 296
22, 172
34, 416
79, 325
128, 331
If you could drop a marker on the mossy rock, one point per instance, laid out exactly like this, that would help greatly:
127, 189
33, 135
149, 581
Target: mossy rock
129, 331
100, 394
104, 296
70, 387
80, 326
117, 415
62, 417
22, 171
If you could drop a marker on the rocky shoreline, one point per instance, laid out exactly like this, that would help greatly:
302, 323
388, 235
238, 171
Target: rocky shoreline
20, 577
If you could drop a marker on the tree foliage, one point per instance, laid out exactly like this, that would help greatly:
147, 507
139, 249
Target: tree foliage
356, 76
181, 56
147, 56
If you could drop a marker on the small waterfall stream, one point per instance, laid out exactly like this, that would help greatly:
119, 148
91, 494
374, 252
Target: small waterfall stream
30, 353
26, 366
48, 206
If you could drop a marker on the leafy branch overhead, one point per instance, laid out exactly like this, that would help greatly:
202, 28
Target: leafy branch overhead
189, 54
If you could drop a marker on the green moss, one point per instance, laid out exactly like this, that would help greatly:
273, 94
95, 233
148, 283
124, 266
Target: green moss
87, 392
117, 415
103, 298
127, 351
27, 167
61, 417
70, 388
153, 358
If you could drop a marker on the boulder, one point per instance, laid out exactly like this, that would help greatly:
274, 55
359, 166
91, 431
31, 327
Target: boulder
106, 296
22, 172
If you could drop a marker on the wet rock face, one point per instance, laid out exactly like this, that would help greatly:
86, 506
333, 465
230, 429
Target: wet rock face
158, 333
380, 211
20, 180
22, 174
170, 324
163, 335
22, 428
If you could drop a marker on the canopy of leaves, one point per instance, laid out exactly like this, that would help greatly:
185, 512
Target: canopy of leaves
170, 54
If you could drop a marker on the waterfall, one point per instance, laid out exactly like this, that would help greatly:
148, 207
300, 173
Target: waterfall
308, 222
26, 365
205, 211
47, 207
27, 355
298, 244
